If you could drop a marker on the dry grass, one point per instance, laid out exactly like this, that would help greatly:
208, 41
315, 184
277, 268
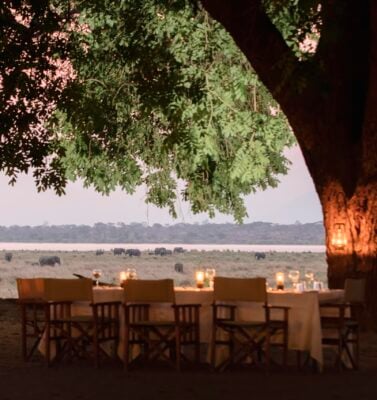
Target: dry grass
25, 264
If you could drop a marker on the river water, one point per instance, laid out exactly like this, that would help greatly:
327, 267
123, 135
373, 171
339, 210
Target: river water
151, 246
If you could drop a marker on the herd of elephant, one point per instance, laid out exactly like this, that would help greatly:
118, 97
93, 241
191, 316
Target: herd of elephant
55, 260
158, 251
117, 251
162, 251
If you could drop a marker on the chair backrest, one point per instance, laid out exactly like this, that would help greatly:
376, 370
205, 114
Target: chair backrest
149, 291
68, 290
240, 289
354, 290
30, 288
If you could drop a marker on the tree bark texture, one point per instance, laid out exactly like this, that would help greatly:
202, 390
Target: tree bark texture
357, 257
330, 102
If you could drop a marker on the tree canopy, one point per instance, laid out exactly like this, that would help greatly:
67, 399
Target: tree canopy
31, 47
161, 95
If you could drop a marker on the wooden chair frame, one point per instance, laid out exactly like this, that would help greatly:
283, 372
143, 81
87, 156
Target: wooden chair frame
81, 336
247, 338
161, 339
250, 338
33, 325
347, 332
346, 323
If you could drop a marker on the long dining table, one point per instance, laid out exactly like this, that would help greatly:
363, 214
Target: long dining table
304, 323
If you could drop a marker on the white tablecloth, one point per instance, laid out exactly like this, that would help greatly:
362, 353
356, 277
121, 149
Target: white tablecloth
304, 325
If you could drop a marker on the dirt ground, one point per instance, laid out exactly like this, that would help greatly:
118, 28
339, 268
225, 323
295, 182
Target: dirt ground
33, 380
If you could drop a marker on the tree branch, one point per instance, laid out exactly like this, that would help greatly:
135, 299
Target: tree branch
260, 41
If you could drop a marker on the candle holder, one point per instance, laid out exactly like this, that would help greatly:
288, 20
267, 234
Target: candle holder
122, 277
130, 273
280, 280
199, 278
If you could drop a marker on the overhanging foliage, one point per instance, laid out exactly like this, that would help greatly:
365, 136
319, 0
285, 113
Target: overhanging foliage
164, 94
161, 95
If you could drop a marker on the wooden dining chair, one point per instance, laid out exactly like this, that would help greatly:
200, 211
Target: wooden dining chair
33, 314
162, 337
250, 338
78, 335
340, 322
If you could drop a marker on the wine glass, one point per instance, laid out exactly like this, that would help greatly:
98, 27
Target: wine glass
210, 275
309, 275
294, 276
131, 273
97, 273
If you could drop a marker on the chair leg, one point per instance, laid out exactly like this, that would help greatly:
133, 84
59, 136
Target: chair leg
197, 347
126, 353
23, 333
115, 349
357, 347
285, 349
178, 348
231, 347
340, 351
268, 351
213, 349
48, 345
95, 346
351, 352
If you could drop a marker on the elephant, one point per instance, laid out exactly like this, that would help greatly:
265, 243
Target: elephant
49, 260
8, 257
133, 252
118, 251
179, 250
178, 267
160, 251
100, 252
260, 255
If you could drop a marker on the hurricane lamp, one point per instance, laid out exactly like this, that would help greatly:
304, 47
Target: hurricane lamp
339, 238
199, 278
280, 277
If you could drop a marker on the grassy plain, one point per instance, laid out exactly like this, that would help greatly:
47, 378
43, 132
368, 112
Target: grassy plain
24, 264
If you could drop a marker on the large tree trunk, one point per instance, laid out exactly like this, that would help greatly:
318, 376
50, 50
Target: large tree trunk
357, 214
333, 115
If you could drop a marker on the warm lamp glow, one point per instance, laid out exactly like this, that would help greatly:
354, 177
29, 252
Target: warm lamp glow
199, 277
123, 276
280, 280
130, 273
339, 239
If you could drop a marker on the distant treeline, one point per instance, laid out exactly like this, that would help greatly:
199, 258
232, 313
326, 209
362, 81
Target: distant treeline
253, 233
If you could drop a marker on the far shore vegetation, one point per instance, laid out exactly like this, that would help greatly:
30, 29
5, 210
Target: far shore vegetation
208, 233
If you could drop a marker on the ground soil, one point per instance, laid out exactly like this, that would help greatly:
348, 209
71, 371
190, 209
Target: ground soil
81, 381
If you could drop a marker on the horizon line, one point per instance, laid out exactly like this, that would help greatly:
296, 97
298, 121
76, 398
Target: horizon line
147, 225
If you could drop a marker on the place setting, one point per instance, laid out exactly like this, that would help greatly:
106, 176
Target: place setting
297, 284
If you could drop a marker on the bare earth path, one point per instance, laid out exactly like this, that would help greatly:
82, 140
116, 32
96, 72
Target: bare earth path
24, 381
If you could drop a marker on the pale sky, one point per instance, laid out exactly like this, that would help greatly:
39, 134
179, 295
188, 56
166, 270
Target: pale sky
293, 200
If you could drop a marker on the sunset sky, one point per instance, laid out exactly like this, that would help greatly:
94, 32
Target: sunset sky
294, 200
